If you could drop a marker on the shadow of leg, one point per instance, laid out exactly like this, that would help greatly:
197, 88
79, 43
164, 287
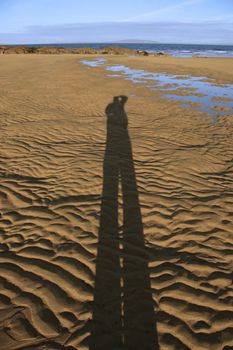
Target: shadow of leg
107, 327
139, 316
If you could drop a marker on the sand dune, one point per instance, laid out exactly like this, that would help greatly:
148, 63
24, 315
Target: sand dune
113, 236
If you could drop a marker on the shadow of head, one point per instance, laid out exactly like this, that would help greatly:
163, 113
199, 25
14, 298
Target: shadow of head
115, 111
120, 100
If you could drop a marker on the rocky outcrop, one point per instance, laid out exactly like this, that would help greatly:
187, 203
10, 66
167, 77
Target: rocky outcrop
62, 50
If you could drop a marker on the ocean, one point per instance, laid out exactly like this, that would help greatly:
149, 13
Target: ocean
176, 50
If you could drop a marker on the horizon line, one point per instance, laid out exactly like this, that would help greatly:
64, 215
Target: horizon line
147, 42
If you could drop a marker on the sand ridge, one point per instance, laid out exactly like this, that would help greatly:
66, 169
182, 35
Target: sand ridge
169, 212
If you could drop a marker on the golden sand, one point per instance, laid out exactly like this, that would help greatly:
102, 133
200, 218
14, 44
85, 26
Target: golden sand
116, 215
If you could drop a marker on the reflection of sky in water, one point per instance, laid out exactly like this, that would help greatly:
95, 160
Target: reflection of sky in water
168, 83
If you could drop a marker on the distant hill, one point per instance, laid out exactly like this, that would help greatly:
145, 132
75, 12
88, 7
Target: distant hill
135, 41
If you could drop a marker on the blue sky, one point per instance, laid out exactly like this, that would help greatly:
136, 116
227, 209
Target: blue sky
59, 21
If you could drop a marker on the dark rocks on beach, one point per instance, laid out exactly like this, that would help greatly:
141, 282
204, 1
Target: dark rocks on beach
160, 54
142, 53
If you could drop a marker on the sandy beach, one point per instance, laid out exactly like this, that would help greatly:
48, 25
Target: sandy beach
116, 208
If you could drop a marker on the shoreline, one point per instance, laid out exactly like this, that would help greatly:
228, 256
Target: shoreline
114, 49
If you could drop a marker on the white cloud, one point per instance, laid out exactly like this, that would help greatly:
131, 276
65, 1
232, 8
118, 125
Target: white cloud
224, 17
164, 32
163, 11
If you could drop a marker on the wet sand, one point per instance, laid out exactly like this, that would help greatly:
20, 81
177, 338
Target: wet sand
116, 214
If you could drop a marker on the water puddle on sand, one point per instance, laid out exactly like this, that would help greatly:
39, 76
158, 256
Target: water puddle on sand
194, 92
97, 62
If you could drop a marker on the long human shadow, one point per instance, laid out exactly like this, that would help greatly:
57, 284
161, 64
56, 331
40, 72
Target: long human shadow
123, 307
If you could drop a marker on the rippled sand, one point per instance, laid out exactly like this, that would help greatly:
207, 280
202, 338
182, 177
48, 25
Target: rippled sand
113, 236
